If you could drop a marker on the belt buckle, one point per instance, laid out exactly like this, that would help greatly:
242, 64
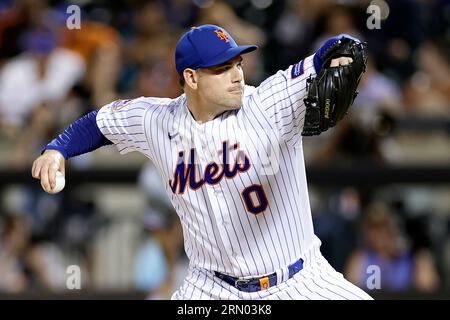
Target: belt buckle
243, 282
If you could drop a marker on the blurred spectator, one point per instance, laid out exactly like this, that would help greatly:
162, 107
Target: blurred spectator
295, 30
400, 33
100, 47
156, 259
150, 262
44, 73
334, 217
180, 13
338, 19
25, 264
16, 18
27, 142
151, 70
377, 94
222, 14
349, 144
159, 265
427, 93
385, 246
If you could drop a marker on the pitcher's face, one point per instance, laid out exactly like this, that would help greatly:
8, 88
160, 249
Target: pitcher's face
222, 85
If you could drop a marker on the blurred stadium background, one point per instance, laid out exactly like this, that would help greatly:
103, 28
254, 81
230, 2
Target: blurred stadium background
387, 203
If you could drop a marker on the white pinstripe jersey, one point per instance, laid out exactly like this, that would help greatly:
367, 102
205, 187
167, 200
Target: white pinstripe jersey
237, 182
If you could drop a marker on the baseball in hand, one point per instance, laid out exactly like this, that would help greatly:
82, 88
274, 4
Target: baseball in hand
60, 183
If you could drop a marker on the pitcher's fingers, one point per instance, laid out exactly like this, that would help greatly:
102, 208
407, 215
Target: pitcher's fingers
52, 174
45, 187
33, 169
37, 166
334, 63
44, 177
62, 166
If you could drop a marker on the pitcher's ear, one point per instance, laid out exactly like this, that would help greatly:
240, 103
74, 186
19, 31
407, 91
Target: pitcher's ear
190, 78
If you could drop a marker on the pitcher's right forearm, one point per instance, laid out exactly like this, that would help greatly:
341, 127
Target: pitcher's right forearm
80, 137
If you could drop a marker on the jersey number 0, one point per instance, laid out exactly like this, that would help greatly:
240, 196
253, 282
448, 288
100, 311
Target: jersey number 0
255, 199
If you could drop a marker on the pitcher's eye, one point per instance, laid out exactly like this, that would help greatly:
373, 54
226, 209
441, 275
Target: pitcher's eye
222, 69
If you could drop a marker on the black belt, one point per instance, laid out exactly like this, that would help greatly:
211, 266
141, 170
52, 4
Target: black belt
258, 283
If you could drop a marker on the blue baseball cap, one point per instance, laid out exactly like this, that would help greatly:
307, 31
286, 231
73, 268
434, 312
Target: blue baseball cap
206, 46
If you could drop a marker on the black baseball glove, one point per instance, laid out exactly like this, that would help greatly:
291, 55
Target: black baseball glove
333, 90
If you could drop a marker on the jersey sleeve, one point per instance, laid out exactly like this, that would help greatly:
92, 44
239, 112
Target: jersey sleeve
123, 123
279, 99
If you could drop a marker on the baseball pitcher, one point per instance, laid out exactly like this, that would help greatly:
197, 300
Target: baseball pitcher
231, 159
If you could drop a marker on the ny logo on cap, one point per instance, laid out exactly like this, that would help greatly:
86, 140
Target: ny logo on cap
222, 35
